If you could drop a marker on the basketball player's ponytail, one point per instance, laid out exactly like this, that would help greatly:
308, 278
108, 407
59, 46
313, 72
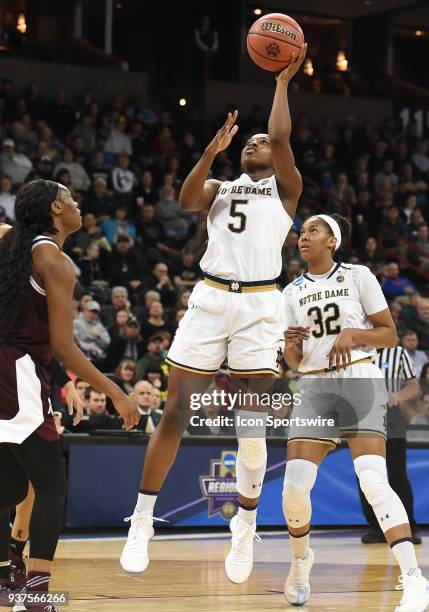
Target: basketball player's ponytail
33, 217
346, 230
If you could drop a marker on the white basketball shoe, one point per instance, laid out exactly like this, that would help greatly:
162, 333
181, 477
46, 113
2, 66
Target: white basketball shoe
134, 556
239, 561
416, 593
297, 586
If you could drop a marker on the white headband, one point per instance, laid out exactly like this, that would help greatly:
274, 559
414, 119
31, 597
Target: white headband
334, 227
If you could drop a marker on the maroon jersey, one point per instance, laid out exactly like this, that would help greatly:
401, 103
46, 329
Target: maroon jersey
25, 406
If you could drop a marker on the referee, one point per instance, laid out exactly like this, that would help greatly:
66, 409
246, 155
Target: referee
401, 383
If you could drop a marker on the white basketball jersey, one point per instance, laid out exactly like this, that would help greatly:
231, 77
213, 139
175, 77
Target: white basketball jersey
343, 297
247, 226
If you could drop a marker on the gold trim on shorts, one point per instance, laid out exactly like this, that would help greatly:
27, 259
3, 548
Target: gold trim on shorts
334, 369
320, 440
181, 366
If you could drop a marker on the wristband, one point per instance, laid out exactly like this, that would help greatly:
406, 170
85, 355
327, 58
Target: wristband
57, 372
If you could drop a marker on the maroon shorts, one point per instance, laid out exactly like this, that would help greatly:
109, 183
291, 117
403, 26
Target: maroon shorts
25, 406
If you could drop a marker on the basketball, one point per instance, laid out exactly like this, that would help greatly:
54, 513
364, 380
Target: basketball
272, 39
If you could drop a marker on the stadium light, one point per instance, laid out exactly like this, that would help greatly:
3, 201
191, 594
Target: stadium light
257, 11
182, 102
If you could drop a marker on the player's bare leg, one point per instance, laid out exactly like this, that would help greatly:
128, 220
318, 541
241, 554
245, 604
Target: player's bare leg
303, 460
19, 537
160, 455
369, 459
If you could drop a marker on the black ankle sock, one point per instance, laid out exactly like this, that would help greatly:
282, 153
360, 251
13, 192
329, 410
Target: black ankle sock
17, 547
4, 572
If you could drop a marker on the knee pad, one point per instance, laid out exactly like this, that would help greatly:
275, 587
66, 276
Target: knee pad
300, 477
372, 473
252, 453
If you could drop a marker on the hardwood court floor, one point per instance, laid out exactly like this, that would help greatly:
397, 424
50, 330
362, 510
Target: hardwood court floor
188, 574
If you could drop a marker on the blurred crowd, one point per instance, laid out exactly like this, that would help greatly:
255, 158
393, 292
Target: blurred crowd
136, 256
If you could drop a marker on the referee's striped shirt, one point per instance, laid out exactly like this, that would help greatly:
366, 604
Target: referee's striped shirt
397, 367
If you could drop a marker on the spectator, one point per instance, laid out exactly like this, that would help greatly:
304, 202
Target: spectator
15, 165
410, 183
410, 205
165, 145
92, 275
343, 192
420, 158
96, 402
118, 141
160, 280
98, 201
124, 265
82, 389
24, 136
119, 301
371, 255
155, 321
89, 233
387, 173
142, 394
206, 41
125, 375
410, 342
186, 273
86, 130
392, 230
395, 285
147, 189
97, 416
157, 402
153, 357
78, 175
152, 235
90, 334
7, 198
124, 181
129, 346
416, 220
424, 380
142, 312
174, 220
119, 227
97, 168
396, 312
182, 300
418, 250
118, 329
155, 376
420, 324
42, 170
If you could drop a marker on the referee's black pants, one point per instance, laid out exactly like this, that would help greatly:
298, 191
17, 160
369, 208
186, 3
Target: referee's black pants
40, 462
396, 460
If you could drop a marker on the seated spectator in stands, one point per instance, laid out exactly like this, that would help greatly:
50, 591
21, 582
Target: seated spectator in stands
147, 189
157, 403
290, 248
86, 130
420, 323
394, 285
396, 312
402, 156
342, 191
97, 168
416, 220
125, 375
119, 226
98, 201
129, 346
78, 175
410, 342
362, 182
410, 205
118, 329
153, 357
155, 376
124, 181
43, 167
97, 416
15, 165
92, 274
164, 144
142, 395
82, 389
387, 173
421, 159
182, 300
119, 301
392, 230
96, 402
146, 299
411, 184
7, 198
118, 140
189, 152
140, 142
64, 178
175, 221
294, 269
418, 249
152, 235
89, 233
424, 380
79, 151
49, 145
155, 321
160, 280
24, 136
177, 317
90, 334
371, 255
186, 272
384, 195
124, 265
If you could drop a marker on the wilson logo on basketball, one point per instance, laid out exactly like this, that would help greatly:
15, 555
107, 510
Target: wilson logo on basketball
272, 50
276, 27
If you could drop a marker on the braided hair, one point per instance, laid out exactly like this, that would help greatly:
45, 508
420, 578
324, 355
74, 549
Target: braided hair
33, 217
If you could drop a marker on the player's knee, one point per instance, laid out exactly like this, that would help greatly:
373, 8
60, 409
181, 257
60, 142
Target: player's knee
300, 477
252, 453
14, 494
372, 473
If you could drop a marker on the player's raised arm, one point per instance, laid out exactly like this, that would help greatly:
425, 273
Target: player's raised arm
279, 129
198, 193
57, 274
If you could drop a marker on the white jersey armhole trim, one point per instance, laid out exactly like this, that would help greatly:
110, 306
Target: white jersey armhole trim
36, 286
280, 200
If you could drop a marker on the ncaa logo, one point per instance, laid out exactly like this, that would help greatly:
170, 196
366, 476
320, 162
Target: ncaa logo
298, 281
229, 461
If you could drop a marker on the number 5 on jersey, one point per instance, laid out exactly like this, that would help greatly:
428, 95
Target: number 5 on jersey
240, 218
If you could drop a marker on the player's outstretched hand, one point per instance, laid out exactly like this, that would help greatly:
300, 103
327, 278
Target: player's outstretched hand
127, 408
296, 334
74, 403
294, 66
223, 137
340, 353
